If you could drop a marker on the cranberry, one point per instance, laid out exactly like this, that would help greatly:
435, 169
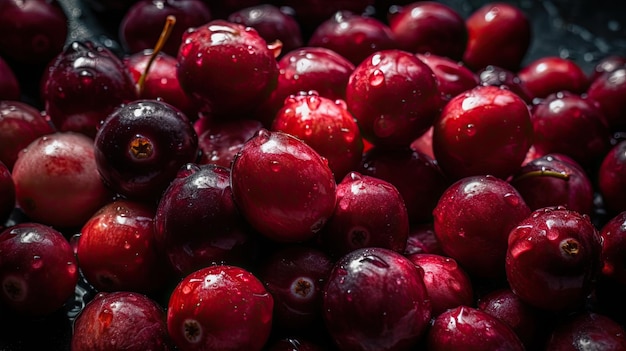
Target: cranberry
121, 321
607, 64
353, 36
587, 331
57, 181
272, 23
486, 130
375, 298
368, 212
20, 124
473, 219
467, 328
501, 77
498, 34
611, 180
9, 86
227, 66
430, 27
141, 146
607, 90
220, 307
220, 142
422, 239
283, 187
197, 224
142, 23
7, 189
452, 76
326, 126
38, 270
552, 258
394, 97
552, 74
613, 255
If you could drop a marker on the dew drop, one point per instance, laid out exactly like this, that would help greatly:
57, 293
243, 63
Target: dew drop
71, 268
37, 262
377, 78
263, 135
341, 103
126, 245
275, 166
512, 199
313, 102
105, 317
470, 130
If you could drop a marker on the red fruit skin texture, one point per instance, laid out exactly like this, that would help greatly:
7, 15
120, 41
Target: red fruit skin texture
452, 76
430, 27
7, 189
368, 212
422, 239
353, 36
20, 124
499, 34
468, 328
612, 178
607, 64
283, 187
552, 259
394, 97
220, 142
447, 284
226, 66
55, 169
498, 76
220, 307
38, 270
473, 219
9, 86
608, 90
613, 255
326, 126
538, 191
375, 299
486, 130
587, 331
552, 74
117, 249
121, 320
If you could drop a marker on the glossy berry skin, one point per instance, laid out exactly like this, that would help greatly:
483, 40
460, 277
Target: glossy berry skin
327, 126
486, 130
38, 270
142, 23
473, 219
83, 85
448, 285
121, 320
197, 224
226, 66
587, 331
539, 188
607, 64
9, 86
117, 249
498, 34
375, 299
611, 181
34, 30
141, 146
452, 76
552, 259
502, 77
613, 255
220, 142
468, 328
422, 239
552, 74
272, 23
7, 189
220, 307
282, 186
368, 212
607, 91
353, 36
430, 27
57, 181
20, 124
394, 97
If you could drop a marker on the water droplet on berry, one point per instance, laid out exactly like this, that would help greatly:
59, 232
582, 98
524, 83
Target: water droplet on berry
275, 166
313, 102
377, 78
126, 245
105, 317
512, 199
71, 267
37, 262
341, 103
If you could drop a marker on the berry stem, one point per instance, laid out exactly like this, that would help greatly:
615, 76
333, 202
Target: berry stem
165, 34
543, 173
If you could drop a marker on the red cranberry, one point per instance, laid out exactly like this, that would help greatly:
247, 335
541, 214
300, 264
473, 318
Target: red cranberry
587, 331
501, 77
608, 90
20, 124
394, 97
142, 23
470, 329
452, 76
499, 34
283, 187
430, 27
369, 212
612, 180
473, 137
375, 298
326, 126
7, 189
472, 223
9, 86
607, 64
57, 181
613, 256
38, 270
121, 321
422, 239
227, 66
220, 307
141, 146
552, 74
552, 258
353, 36
220, 142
